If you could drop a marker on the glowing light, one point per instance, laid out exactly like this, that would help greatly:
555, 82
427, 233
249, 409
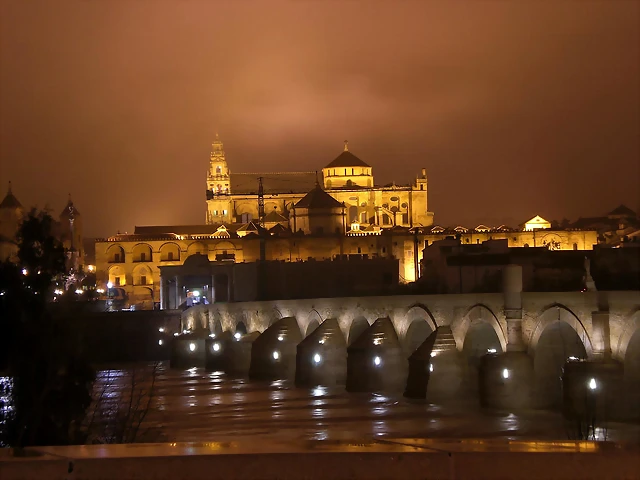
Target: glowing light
572, 359
160, 342
491, 350
431, 367
161, 329
377, 361
24, 271
237, 335
280, 338
432, 354
505, 373
78, 292
317, 358
100, 290
176, 334
276, 355
377, 341
91, 268
192, 347
58, 292
185, 331
216, 347
321, 341
196, 293
109, 285
212, 335
593, 384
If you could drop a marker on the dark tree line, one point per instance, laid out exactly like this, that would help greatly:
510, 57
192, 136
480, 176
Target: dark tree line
51, 381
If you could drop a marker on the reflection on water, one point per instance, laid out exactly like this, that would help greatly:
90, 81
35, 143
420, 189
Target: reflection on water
195, 405
198, 406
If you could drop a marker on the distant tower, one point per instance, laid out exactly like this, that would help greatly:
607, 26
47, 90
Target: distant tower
71, 235
218, 188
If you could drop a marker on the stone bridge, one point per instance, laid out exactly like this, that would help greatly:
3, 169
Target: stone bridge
446, 334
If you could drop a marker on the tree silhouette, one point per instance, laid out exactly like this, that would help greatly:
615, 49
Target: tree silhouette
51, 382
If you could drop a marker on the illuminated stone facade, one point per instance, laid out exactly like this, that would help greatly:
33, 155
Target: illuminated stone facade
307, 215
233, 197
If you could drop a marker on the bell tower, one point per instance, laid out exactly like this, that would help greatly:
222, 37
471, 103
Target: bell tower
218, 198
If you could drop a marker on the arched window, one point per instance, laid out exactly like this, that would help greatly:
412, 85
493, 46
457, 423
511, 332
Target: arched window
386, 220
218, 170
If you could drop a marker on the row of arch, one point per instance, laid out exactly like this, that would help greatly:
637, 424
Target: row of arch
169, 252
558, 336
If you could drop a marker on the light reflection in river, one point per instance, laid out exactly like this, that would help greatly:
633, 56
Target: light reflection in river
195, 405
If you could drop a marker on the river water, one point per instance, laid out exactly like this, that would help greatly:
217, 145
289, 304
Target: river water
196, 405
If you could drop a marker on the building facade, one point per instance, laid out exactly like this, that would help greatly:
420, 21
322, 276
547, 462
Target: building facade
302, 216
233, 197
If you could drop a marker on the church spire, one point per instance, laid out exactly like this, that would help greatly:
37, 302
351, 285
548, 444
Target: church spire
346, 145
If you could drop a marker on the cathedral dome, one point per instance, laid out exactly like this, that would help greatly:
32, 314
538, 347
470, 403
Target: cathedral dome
347, 159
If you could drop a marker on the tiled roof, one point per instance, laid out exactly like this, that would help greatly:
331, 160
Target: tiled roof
288, 182
183, 229
318, 198
347, 159
275, 217
622, 210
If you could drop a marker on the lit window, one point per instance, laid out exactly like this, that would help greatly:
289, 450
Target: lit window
224, 212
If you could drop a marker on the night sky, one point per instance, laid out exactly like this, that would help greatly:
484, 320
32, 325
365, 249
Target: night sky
514, 107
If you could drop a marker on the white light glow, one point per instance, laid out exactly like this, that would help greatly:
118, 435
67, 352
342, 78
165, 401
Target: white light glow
280, 338
216, 347
572, 359
58, 292
109, 285
196, 293
176, 334
237, 335
317, 358
276, 355
212, 335
185, 331
161, 329
192, 347
24, 271
505, 373
377, 341
431, 367
432, 354
377, 361
321, 341
100, 290
491, 350
78, 292
593, 384
160, 342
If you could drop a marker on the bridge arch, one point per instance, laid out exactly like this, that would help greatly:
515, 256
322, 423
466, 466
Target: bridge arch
356, 328
241, 328
420, 324
558, 312
474, 316
313, 321
629, 346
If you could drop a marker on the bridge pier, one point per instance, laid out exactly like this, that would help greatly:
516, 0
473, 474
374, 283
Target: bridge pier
376, 361
506, 378
435, 368
322, 357
273, 354
189, 350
